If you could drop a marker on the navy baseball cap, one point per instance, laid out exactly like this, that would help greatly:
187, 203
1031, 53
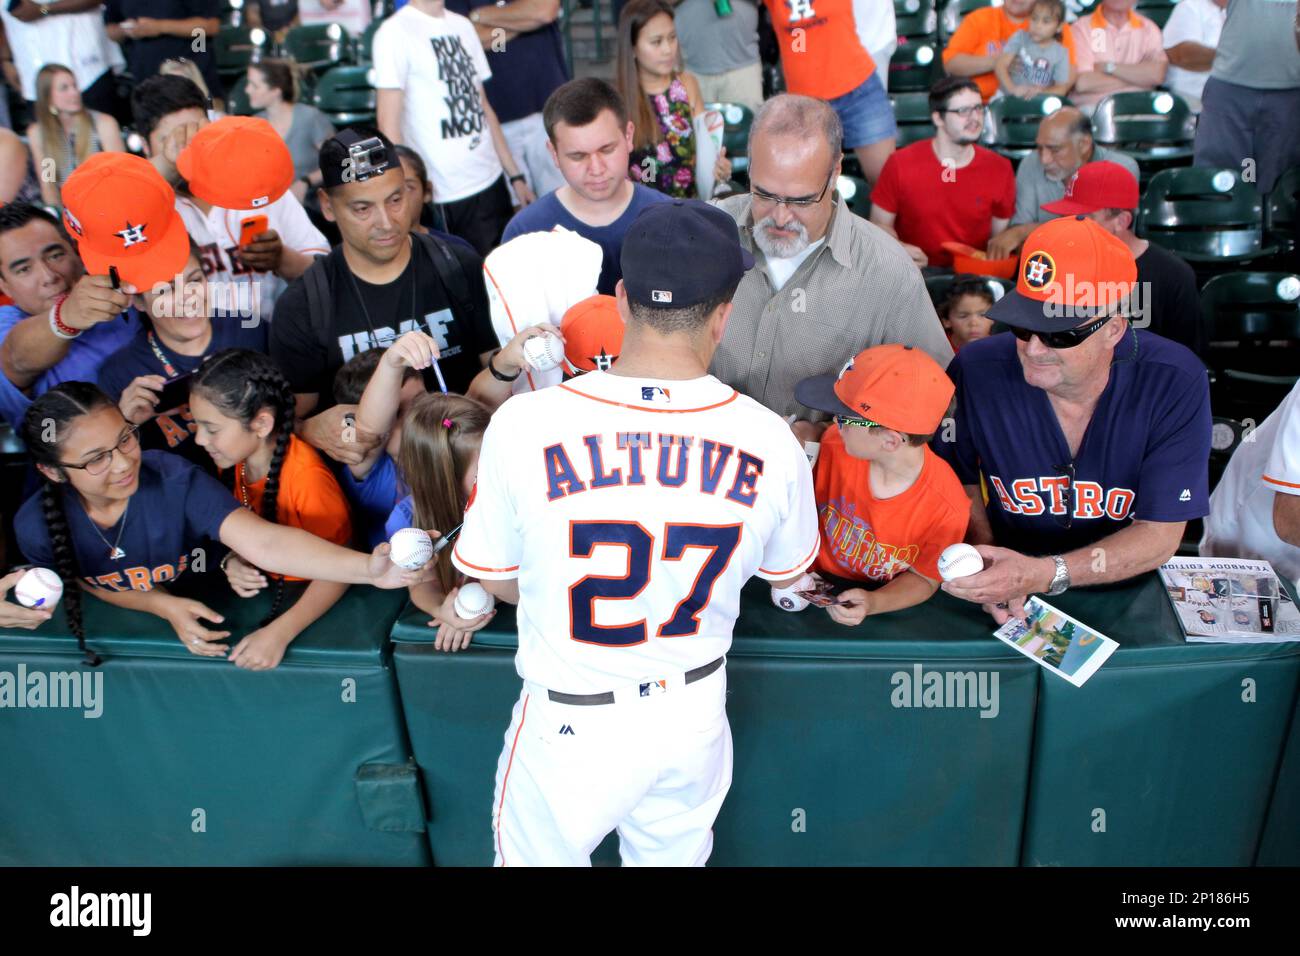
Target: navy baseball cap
681, 253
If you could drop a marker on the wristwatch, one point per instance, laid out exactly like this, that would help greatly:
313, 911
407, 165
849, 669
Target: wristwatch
1061, 579
1109, 68
498, 375
518, 178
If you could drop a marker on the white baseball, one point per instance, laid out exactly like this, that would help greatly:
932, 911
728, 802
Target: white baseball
787, 600
473, 600
39, 587
958, 561
543, 352
410, 548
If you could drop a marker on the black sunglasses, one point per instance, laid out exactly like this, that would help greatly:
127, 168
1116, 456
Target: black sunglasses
1066, 339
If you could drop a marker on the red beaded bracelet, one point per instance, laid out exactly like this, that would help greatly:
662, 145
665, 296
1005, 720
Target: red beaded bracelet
56, 322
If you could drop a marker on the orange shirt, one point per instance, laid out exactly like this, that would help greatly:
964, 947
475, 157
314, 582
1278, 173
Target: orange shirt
310, 497
821, 54
984, 32
868, 539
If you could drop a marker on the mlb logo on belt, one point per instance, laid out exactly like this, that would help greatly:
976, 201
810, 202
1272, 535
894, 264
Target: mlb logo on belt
650, 688
1040, 270
653, 393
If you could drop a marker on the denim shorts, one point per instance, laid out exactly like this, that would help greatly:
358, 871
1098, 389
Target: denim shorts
866, 113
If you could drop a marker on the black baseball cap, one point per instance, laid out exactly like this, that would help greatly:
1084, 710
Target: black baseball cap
681, 253
371, 152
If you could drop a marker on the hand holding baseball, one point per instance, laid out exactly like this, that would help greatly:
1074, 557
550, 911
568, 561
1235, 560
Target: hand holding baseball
11, 615
1007, 577
455, 632
512, 358
413, 350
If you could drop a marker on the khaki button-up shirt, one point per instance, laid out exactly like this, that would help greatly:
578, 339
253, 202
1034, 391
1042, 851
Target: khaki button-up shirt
858, 289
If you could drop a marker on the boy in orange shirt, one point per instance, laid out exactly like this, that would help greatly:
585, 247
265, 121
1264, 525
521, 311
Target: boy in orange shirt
887, 505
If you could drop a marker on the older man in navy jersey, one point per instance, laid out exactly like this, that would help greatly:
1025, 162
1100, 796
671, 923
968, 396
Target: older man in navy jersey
1091, 438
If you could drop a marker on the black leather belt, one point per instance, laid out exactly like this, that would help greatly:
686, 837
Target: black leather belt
589, 700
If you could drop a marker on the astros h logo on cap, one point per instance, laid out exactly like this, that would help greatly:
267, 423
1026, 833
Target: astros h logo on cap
1073, 270
593, 334
123, 214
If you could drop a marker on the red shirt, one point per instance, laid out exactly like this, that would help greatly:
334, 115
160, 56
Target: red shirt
933, 208
868, 539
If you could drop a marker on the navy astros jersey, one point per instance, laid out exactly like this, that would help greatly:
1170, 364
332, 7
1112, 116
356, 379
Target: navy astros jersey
1144, 455
176, 508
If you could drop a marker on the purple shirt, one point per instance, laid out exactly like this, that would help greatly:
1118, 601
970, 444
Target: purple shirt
1144, 455
86, 355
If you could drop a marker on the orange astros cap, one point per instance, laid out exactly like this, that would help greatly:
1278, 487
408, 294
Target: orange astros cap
123, 214
593, 334
237, 162
895, 386
1071, 269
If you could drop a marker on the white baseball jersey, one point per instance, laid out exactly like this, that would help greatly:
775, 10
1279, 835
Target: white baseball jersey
1265, 464
632, 511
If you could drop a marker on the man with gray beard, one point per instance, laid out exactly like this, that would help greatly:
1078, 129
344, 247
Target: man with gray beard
828, 285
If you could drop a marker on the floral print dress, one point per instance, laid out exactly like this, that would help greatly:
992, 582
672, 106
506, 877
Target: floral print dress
669, 165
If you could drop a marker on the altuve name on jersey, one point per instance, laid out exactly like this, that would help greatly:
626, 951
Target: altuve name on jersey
634, 458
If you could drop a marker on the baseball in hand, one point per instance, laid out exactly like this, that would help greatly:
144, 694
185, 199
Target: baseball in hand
472, 600
958, 561
410, 548
39, 587
543, 352
786, 598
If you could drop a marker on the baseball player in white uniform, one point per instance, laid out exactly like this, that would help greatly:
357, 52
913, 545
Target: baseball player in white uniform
623, 511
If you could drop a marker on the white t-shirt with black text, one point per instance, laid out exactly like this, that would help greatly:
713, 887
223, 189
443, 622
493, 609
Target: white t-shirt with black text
439, 65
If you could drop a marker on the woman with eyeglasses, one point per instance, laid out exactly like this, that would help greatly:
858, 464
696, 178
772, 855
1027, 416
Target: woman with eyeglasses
122, 523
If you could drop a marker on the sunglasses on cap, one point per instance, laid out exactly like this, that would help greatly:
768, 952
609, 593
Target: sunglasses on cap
1066, 339
844, 420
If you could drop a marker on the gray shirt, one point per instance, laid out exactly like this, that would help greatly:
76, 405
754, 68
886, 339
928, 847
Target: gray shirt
1257, 46
857, 289
1033, 188
712, 44
310, 128
1037, 64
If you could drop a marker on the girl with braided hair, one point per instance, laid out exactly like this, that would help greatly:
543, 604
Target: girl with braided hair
120, 523
244, 409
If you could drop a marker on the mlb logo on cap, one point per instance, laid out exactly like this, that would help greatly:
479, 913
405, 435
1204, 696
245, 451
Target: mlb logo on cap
262, 173
659, 295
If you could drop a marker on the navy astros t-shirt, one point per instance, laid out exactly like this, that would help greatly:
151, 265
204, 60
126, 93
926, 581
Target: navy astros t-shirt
1144, 455
175, 509
172, 429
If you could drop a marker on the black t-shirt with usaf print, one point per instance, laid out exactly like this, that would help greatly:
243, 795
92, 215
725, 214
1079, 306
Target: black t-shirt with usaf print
378, 317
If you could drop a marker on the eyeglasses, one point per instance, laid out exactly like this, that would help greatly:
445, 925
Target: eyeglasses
845, 420
129, 441
965, 111
803, 203
1066, 339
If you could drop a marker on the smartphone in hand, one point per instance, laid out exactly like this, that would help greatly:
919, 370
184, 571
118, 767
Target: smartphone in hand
251, 228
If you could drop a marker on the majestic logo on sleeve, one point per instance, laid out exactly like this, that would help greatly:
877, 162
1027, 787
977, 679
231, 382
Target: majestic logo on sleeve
1040, 270
132, 235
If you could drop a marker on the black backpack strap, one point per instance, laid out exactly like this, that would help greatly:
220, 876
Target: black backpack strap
320, 300
451, 271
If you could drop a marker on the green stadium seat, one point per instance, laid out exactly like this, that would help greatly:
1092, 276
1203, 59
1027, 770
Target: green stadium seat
1011, 126
1156, 10
1253, 323
912, 116
938, 284
916, 19
1155, 127
364, 43
236, 47
318, 46
346, 94
952, 12
237, 98
914, 66
1280, 220
735, 132
856, 192
1204, 215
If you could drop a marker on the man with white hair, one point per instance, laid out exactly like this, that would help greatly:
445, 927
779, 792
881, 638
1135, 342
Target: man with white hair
828, 284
